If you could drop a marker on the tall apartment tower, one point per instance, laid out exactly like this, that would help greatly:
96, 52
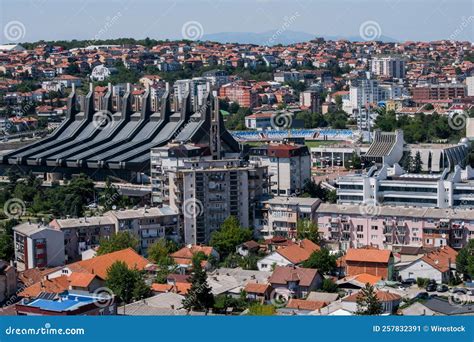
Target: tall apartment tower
205, 191
388, 66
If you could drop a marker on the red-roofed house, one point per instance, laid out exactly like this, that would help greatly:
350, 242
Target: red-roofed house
99, 265
436, 265
295, 282
292, 255
184, 257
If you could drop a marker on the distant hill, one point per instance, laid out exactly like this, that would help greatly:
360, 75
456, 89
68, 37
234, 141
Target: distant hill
272, 38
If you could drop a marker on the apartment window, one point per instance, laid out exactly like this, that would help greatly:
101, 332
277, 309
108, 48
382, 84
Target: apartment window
373, 237
360, 228
360, 236
374, 228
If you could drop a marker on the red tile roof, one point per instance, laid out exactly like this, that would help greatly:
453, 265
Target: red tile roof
283, 274
301, 304
256, 288
100, 264
368, 255
298, 253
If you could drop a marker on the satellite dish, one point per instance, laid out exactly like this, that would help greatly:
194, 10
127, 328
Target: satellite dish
443, 236
114, 207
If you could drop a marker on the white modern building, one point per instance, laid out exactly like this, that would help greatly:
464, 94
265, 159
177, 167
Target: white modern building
393, 186
289, 166
197, 87
388, 66
281, 215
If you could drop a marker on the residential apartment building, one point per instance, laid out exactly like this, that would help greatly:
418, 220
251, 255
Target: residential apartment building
363, 92
311, 99
388, 66
197, 87
280, 215
386, 227
239, 93
81, 234
434, 92
204, 191
146, 224
37, 246
470, 85
289, 166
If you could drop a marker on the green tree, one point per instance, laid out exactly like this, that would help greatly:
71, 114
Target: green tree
329, 286
109, 196
159, 251
465, 260
7, 250
229, 236
307, 229
338, 100
407, 163
356, 161
127, 284
321, 260
417, 163
199, 296
331, 196
367, 302
117, 242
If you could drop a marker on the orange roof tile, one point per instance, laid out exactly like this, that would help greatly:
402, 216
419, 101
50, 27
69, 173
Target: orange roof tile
302, 304
100, 264
298, 253
368, 255
256, 288
81, 279
441, 259
54, 285
161, 287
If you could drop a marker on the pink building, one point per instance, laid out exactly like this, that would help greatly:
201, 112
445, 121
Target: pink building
354, 226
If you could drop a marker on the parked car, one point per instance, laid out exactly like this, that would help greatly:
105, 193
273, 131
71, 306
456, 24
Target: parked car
459, 290
431, 287
409, 282
422, 295
442, 288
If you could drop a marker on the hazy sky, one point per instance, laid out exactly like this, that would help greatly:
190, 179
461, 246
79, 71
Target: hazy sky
87, 19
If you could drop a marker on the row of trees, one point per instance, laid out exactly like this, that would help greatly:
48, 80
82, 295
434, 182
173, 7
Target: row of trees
70, 199
420, 128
